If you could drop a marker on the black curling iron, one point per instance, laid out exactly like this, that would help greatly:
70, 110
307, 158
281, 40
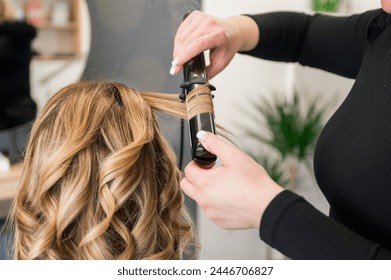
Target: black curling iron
195, 77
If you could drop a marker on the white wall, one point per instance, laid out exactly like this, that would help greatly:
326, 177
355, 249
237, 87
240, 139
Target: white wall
242, 81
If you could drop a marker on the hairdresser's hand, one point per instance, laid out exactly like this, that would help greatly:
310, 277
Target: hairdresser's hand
234, 195
223, 37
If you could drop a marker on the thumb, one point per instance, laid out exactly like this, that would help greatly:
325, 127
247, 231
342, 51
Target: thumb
215, 145
188, 188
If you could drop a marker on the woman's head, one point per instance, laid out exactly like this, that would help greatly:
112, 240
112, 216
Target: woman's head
100, 181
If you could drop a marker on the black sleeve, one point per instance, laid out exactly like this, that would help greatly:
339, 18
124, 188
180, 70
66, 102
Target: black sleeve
332, 43
15, 41
18, 29
299, 231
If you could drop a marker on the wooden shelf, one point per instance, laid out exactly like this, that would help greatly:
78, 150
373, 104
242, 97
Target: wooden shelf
55, 41
52, 57
71, 26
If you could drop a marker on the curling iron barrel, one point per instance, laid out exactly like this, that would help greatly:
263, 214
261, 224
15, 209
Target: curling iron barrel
196, 92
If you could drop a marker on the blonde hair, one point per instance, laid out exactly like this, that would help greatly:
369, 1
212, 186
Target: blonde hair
7, 11
99, 180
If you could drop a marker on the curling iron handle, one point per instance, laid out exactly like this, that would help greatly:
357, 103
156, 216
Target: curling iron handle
195, 76
203, 121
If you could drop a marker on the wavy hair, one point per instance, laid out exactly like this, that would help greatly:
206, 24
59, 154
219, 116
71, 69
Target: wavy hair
100, 180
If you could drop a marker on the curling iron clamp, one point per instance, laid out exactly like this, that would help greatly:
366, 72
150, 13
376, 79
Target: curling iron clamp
196, 92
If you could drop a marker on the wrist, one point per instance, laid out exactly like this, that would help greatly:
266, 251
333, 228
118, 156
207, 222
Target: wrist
268, 194
246, 32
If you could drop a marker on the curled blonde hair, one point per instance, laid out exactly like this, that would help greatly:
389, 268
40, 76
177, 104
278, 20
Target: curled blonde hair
99, 180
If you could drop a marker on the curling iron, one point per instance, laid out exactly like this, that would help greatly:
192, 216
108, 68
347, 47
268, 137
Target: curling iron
196, 85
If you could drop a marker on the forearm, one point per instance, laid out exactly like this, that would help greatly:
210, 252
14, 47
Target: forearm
281, 35
298, 230
331, 43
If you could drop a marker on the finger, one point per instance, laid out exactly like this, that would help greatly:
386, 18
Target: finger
188, 188
217, 64
217, 146
192, 48
192, 38
219, 59
188, 28
188, 22
196, 21
192, 172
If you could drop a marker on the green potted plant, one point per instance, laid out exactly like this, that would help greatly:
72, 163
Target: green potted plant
288, 128
330, 6
291, 127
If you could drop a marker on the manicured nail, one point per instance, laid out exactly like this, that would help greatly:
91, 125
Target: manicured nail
173, 70
175, 61
202, 135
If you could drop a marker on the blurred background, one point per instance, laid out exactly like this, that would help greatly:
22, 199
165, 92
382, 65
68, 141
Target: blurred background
131, 41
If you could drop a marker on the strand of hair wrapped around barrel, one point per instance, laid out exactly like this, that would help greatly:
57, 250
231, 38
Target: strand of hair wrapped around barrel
198, 101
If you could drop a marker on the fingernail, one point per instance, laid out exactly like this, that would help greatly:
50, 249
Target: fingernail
173, 70
202, 135
175, 61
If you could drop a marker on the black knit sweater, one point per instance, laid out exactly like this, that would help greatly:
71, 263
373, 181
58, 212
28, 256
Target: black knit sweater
16, 104
353, 155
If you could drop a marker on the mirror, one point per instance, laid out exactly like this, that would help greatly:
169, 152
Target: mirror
59, 34
62, 45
